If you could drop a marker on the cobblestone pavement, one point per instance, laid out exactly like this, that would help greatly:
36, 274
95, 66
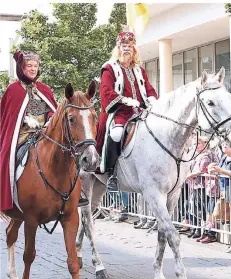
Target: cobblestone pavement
126, 253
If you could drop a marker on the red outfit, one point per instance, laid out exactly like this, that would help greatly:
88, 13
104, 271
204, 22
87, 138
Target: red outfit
108, 94
11, 103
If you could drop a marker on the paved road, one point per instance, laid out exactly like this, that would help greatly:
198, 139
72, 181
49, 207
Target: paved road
126, 253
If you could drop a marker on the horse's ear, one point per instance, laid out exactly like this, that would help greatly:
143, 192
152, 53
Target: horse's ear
220, 76
69, 91
91, 89
204, 77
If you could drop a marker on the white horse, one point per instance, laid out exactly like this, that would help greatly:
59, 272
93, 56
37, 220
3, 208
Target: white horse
154, 165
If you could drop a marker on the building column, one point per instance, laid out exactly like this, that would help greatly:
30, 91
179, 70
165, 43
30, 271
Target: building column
230, 41
165, 62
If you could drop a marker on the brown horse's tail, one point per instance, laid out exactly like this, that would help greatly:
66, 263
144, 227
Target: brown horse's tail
4, 217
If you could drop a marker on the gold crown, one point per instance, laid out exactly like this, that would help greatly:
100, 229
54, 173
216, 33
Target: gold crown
125, 38
30, 55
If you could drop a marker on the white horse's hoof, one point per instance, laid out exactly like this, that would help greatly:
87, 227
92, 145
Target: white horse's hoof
102, 274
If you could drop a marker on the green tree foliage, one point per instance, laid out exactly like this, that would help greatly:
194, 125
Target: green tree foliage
4, 82
72, 47
228, 8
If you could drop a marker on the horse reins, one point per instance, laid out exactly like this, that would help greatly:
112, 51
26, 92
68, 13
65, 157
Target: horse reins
75, 151
206, 114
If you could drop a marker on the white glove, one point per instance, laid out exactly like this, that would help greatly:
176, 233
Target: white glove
151, 100
130, 102
31, 122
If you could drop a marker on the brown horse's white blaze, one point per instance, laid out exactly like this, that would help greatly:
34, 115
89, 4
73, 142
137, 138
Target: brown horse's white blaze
88, 165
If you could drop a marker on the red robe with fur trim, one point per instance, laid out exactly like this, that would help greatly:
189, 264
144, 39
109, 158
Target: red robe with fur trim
11, 104
108, 94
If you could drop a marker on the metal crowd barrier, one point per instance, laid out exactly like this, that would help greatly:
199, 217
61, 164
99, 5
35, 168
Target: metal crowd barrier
205, 204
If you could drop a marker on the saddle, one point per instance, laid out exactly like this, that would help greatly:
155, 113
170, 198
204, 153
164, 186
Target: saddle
23, 153
129, 130
128, 134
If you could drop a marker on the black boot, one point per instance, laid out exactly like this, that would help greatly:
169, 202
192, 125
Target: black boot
197, 233
83, 200
191, 233
111, 158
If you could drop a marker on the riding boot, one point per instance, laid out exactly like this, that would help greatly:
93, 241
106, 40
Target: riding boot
112, 156
83, 200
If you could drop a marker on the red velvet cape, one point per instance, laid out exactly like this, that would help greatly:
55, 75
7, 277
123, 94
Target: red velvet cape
9, 109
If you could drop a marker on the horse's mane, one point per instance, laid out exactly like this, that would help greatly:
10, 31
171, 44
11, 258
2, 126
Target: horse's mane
166, 101
228, 85
79, 96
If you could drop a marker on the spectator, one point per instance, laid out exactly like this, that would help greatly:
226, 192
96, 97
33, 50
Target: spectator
224, 168
183, 202
197, 186
183, 205
212, 191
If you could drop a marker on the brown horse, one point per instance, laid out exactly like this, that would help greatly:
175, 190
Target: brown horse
49, 188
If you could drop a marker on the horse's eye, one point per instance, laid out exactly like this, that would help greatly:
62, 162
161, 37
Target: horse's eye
210, 103
71, 119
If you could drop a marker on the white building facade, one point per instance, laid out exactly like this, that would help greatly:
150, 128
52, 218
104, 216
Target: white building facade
182, 40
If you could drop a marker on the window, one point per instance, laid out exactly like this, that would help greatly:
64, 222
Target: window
177, 69
190, 65
222, 50
206, 59
151, 70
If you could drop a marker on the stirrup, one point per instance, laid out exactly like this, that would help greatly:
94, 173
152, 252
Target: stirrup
112, 184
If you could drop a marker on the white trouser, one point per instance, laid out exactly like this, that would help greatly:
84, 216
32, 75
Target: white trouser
116, 133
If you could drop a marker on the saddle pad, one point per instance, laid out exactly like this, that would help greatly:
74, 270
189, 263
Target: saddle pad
21, 160
21, 166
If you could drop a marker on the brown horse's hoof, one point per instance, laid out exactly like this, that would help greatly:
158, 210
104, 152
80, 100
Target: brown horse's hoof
102, 274
80, 259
